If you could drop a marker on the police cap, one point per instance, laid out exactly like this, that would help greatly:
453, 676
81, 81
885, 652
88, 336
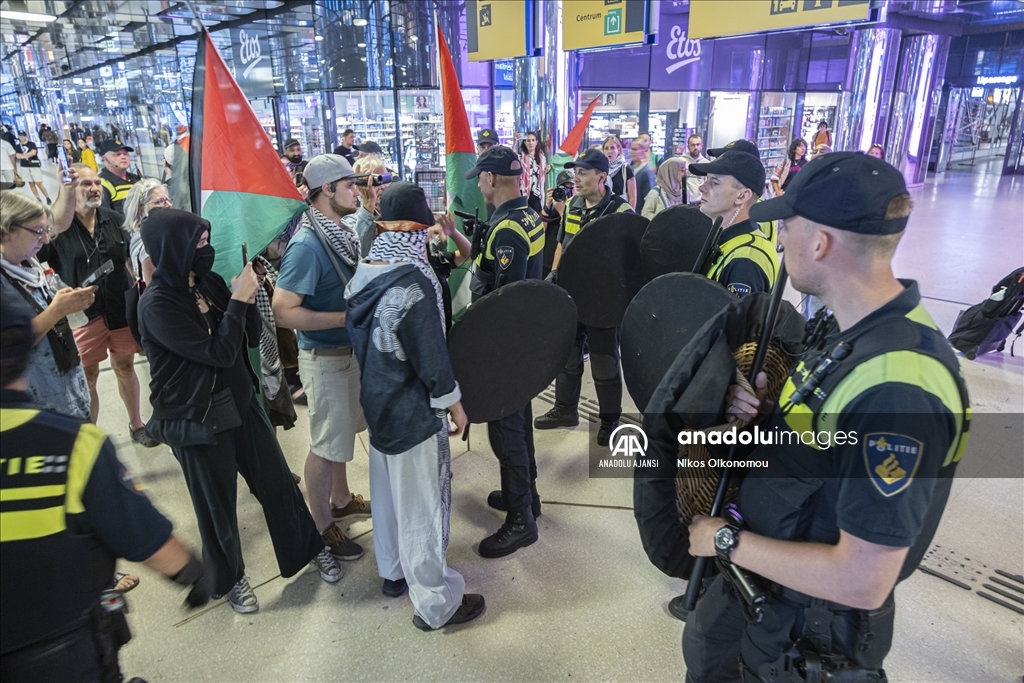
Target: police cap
591, 159
499, 160
737, 146
844, 190
744, 167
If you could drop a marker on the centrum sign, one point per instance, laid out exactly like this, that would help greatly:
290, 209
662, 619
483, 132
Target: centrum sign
603, 23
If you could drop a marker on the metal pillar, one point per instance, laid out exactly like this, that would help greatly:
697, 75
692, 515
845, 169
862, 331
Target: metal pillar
863, 112
922, 64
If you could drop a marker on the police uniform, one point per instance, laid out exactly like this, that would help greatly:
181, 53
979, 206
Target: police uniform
603, 343
748, 261
513, 250
889, 415
69, 509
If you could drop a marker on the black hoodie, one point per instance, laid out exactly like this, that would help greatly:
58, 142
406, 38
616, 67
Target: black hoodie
186, 356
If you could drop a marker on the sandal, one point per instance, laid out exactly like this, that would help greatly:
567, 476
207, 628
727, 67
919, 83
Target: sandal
124, 583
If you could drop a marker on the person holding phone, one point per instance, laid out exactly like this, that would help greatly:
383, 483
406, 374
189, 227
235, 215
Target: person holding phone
96, 235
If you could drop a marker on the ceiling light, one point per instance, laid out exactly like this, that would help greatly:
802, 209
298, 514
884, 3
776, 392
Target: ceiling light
360, 44
355, 22
29, 16
318, 38
362, 59
414, 38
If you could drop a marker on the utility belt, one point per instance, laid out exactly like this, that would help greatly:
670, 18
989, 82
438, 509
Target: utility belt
111, 632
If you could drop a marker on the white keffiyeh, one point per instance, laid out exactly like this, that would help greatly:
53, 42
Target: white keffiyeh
393, 246
343, 239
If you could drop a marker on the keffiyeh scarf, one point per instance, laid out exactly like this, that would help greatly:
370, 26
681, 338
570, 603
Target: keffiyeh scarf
343, 240
392, 246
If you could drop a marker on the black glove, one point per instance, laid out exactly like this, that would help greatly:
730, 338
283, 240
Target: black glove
194, 574
552, 277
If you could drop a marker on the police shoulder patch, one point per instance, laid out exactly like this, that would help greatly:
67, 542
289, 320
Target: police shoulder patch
738, 288
891, 461
504, 256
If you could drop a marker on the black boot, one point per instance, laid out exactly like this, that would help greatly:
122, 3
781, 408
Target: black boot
518, 531
605, 432
497, 501
676, 609
559, 416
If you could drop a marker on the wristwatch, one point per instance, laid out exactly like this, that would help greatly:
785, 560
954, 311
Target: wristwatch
726, 538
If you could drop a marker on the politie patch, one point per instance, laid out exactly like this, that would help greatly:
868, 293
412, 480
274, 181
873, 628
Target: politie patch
739, 289
891, 460
504, 256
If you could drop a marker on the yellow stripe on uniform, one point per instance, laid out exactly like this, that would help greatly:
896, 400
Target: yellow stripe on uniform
11, 418
24, 525
32, 492
83, 456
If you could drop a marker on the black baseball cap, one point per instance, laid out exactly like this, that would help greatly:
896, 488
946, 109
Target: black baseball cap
111, 146
370, 147
843, 190
487, 135
289, 142
563, 178
499, 160
405, 201
736, 146
591, 159
744, 167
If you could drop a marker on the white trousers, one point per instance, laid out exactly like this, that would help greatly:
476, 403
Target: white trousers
411, 494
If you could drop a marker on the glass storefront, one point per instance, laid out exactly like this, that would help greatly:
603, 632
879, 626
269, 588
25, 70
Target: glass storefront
775, 127
728, 119
818, 106
617, 113
304, 123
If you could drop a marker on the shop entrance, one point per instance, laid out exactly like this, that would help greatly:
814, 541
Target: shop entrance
978, 125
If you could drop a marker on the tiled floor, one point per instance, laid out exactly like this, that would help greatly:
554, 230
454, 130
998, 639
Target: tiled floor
584, 603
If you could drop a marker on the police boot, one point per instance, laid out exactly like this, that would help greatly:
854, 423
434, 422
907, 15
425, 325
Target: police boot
559, 416
604, 434
518, 531
496, 500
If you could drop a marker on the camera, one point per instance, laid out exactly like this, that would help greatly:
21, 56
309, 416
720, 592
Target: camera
560, 194
374, 180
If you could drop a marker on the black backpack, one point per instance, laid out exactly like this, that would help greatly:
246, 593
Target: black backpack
984, 327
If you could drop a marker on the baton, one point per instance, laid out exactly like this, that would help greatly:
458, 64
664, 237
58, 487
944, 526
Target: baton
709, 242
701, 565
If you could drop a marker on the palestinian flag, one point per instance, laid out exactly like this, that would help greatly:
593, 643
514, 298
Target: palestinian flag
460, 156
238, 181
570, 147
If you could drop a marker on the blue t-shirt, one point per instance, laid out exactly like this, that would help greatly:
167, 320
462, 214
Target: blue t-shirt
307, 270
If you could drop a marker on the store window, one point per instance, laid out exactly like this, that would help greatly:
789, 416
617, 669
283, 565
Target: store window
786, 60
827, 65
738, 63
818, 107
617, 113
304, 123
728, 119
775, 127
371, 114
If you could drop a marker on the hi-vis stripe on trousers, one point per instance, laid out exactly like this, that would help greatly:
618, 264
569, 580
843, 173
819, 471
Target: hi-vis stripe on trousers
411, 494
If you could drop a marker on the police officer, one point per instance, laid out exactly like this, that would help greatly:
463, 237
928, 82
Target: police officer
834, 523
593, 200
746, 259
486, 139
512, 250
69, 510
769, 228
115, 177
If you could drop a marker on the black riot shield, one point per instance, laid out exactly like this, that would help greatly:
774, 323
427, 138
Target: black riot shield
509, 345
660, 321
673, 241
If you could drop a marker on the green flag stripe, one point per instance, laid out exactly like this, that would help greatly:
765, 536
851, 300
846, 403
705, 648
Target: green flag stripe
237, 217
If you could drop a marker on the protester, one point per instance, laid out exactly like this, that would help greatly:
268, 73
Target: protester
669, 190
293, 161
620, 173
54, 377
535, 169
194, 330
396, 327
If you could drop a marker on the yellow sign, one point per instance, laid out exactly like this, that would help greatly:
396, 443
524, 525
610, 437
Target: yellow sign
496, 29
602, 23
715, 18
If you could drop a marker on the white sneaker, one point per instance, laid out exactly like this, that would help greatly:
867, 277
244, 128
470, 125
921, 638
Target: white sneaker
243, 598
330, 570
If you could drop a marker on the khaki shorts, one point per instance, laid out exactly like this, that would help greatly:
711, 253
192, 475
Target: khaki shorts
330, 378
95, 339
31, 174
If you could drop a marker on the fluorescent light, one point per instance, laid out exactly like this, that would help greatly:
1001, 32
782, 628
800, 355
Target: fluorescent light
360, 44
414, 38
318, 38
355, 22
29, 16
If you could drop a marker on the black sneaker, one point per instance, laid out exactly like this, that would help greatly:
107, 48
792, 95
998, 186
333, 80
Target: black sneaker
341, 547
559, 416
497, 501
676, 609
396, 588
518, 531
472, 606
140, 437
605, 432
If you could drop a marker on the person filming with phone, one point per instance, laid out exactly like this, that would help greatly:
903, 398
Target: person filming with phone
79, 253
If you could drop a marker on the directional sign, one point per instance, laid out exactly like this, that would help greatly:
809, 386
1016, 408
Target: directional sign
713, 18
603, 23
497, 29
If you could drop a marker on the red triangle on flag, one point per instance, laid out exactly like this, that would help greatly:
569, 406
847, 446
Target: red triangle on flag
237, 154
571, 144
457, 136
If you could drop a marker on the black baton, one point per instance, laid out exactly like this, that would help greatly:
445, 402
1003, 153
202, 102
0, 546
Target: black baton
709, 243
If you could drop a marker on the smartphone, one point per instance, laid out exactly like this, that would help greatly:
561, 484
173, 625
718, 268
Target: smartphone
245, 253
62, 159
106, 269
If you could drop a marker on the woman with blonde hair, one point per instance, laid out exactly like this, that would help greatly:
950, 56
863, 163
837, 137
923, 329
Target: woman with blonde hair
145, 195
55, 377
669, 189
620, 173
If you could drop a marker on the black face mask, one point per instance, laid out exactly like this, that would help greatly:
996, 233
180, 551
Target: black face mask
202, 262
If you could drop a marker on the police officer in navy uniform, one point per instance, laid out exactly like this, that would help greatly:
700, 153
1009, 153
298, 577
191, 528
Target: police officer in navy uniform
593, 200
69, 510
512, 250
832, 526
746, 259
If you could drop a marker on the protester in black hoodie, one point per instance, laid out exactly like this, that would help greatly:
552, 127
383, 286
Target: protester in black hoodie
194, 330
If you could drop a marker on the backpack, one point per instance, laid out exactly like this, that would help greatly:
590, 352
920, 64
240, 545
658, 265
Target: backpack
984, 327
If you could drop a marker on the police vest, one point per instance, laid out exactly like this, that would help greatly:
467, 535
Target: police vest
115, 187
574, 221
44, 468
750, 245
486, 266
